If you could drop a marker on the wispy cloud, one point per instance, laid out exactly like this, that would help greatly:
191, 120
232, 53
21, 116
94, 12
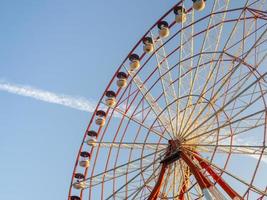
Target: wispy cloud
78, 103
241, 141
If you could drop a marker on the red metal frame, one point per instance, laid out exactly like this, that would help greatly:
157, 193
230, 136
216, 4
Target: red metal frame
227, 188
156, 190
184, 185
203, 182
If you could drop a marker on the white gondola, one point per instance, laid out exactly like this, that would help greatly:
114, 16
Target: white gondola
110, 98
180, 14
100, 118
85, 159
79, 185
148, 45
164, 30
122, 80
84, 163
134, 62
91, 142
199, 4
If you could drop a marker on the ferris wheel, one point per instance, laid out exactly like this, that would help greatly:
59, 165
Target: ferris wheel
184, 116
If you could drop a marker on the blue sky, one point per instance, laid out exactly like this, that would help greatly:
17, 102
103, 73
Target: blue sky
66, 47
70, 49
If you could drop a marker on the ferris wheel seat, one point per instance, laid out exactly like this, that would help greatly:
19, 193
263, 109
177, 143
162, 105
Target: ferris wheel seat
91, 142
79, 185
100, 121
199, 4
122, 79
122, 82
148, 48
135, 64
111, 101
164, 32
148, 44
180, 14
84, 163
180, 18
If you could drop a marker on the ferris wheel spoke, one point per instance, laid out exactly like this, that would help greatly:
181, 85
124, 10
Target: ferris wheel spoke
196, 194
122, 166
141, 123
202, 94
176, 178
196, 55
233, 149
244, 78
184, 184
128, 182
251, 123
171, 184
242, 126
186, 50
123, 194
138, 190
130, 145
226, 104
110, 177
211, 72
252, 95
237, 107
225, 138
227, 78
256, 189
152, 102
202, 65
167, 185
246, 35
210, 43
226, 124
244, 119
162, 191
165, 77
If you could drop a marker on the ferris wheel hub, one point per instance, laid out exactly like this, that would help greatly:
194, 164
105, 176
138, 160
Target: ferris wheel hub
173, 153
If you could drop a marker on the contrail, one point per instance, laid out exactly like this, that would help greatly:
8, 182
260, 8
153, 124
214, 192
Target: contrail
78, 103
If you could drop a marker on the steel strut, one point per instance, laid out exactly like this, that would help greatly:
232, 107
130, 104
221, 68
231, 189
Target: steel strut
207, 187
203, 182
227, 188
184, 185
155, 192
172, 155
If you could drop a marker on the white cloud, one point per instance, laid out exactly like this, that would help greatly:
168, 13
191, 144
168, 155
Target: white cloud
240, 141
78, 103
